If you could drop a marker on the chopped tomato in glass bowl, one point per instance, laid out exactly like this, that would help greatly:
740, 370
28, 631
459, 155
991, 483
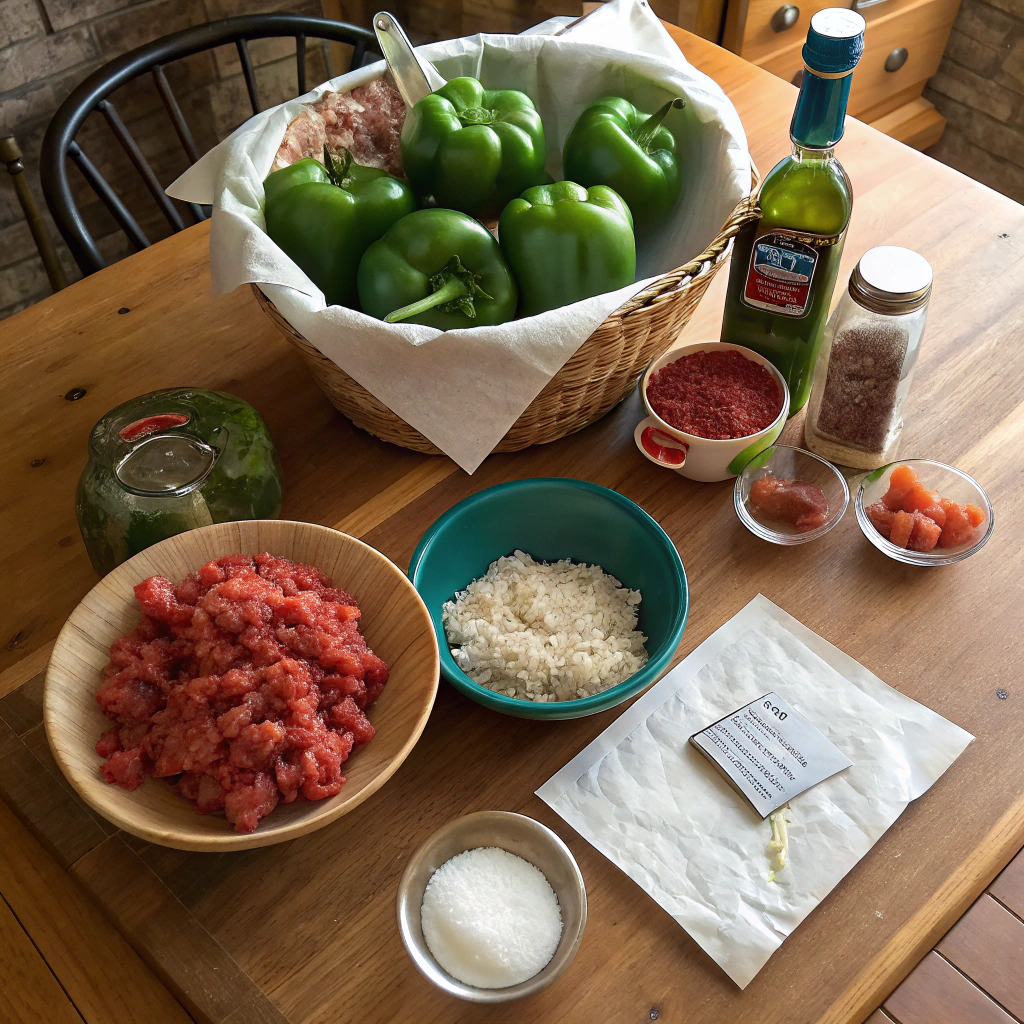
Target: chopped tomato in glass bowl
922, 512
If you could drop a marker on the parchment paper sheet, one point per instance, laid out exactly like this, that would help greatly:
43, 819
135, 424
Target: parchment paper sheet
464, 389
653, 805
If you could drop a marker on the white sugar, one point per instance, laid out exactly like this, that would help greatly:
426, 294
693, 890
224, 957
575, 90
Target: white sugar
490, 918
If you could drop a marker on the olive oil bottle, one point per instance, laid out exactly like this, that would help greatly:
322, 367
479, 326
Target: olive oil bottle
784, 266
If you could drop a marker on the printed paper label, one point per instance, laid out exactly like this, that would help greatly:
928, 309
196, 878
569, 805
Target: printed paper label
770, 752
780, 275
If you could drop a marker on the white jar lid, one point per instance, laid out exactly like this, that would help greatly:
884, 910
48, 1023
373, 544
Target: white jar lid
891, 279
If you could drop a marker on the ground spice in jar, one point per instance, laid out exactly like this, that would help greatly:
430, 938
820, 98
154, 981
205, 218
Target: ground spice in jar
867, 359
858, 404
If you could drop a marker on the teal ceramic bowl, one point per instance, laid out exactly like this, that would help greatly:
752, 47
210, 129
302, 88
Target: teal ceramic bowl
553, 519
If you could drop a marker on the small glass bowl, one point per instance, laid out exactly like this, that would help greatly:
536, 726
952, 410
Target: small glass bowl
789, 463
936, 476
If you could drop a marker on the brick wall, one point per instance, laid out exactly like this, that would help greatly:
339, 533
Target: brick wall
48, 46
979, 89
429, 20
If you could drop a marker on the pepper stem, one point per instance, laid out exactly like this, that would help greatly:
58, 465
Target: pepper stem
338, 177
454, 290
644, 134
476, 115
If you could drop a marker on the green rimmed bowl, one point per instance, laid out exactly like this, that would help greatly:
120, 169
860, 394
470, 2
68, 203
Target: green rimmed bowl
551, 519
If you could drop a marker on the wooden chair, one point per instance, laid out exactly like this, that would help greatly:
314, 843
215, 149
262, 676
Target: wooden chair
92, 95
10, 154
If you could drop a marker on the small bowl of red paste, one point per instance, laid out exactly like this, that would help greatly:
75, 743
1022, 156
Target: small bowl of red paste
228, 706
711, 407
790, 496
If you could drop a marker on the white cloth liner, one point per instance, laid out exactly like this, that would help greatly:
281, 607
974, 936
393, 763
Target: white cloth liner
651, 803
463, 389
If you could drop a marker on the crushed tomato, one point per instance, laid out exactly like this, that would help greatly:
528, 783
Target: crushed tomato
245, 685
717, 395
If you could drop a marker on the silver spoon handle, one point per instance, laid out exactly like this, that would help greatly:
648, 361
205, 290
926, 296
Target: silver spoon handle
402, 60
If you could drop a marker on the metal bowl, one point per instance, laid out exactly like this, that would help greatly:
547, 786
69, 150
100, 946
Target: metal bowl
517, 834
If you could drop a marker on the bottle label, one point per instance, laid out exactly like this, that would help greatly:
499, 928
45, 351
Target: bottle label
781, 272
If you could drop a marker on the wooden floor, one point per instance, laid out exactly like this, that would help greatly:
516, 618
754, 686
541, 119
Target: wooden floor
975, 975
63, 963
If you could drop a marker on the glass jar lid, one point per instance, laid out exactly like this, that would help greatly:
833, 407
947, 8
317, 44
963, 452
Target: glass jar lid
166, 465
891, 280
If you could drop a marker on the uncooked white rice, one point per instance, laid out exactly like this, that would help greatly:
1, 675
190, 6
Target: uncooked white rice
545, 631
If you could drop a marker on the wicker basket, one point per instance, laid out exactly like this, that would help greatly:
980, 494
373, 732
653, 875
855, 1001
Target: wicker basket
593, 380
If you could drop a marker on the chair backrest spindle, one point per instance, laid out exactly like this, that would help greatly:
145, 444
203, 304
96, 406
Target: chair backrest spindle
110, 198
358, 53
250, 76
175, 114
131, 147
300, 62
59, 144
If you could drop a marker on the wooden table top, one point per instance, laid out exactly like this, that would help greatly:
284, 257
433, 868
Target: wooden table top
305, 931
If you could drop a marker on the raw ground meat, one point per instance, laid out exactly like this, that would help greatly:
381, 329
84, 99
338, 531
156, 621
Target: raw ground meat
366, 121
305, 137
245, 685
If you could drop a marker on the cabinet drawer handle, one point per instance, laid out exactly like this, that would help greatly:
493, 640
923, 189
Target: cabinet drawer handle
785, 17
896, 59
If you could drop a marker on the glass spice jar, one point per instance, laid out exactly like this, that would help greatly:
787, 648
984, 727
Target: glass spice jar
867, 360
171, 461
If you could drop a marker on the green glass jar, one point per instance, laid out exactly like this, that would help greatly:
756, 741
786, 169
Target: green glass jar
785, 265
171, 461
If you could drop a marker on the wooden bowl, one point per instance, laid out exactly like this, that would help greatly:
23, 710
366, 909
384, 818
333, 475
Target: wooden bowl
394, 621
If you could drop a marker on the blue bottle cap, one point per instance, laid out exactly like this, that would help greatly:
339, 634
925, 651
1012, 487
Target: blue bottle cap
835, 41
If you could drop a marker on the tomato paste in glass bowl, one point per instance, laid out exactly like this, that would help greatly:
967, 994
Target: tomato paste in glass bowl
789, 496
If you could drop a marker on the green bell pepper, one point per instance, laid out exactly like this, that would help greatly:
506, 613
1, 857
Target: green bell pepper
473, 149
439, 268
299, 173
565, 243
614, 144
324, 217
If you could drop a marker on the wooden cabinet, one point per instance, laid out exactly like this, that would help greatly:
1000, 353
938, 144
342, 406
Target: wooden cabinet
760, 29
903, 45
